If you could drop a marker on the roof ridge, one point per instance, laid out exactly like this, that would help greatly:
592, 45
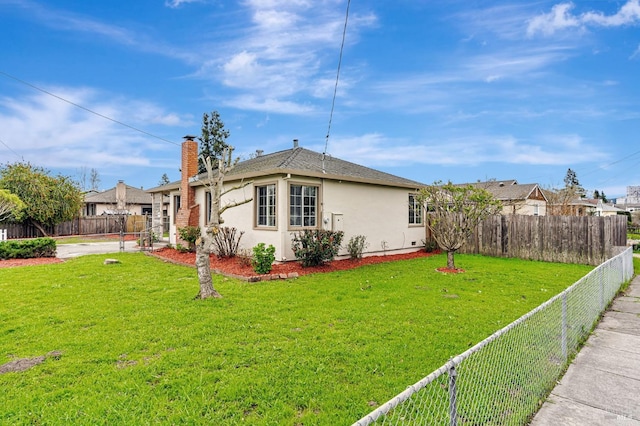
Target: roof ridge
289, 159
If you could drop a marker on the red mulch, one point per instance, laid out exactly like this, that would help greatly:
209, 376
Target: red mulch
233, 266
11, 263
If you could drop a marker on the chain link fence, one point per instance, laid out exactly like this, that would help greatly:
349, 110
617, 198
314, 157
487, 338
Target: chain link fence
504, 379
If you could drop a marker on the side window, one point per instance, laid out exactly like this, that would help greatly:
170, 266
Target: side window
266, 205
303, 206
415, 211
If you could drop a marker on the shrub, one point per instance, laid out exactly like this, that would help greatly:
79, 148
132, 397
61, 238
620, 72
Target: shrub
245, 257
430, 245
226, 242
26, 249
181, 248
189, 234
356, 246
263, 258
313, 247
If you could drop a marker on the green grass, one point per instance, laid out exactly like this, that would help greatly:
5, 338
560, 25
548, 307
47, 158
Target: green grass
137, 348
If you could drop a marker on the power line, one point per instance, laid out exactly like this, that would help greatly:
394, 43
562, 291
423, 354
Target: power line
10, 149
86, 109
335, 88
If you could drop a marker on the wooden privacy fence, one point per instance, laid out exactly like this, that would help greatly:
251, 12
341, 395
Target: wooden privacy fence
85, 225
568, 239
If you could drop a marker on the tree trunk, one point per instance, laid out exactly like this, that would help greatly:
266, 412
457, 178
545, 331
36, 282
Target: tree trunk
204, 271
450, 262
40, 228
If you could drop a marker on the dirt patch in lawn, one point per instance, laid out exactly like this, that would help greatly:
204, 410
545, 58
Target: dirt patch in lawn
22, 364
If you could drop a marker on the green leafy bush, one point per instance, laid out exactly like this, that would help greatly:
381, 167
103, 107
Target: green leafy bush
356, 246
430, 245
26, 249
190, 234
313, 247
263, 258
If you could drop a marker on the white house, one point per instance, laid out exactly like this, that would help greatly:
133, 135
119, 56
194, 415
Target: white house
298, 189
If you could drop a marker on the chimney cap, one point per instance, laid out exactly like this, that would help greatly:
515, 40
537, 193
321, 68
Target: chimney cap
188, 137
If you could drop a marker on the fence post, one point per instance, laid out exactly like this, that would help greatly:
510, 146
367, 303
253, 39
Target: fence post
3, 234
602, 279
453, 412
564, 326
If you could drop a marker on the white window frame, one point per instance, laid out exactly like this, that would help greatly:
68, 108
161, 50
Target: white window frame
302, 212
415, 212
266, 206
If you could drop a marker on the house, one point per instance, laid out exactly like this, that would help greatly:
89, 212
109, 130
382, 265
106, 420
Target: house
121, 198
596, 207
298, 189
516, 198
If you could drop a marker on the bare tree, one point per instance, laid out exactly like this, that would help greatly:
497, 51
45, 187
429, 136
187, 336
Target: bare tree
94, 180
454, 212
215, 185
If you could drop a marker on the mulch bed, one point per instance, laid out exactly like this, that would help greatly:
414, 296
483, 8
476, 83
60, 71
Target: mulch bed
234, 267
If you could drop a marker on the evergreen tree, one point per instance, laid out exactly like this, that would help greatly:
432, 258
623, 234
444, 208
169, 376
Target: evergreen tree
213, 141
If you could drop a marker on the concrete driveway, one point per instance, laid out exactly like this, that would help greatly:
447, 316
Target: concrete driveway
67, 251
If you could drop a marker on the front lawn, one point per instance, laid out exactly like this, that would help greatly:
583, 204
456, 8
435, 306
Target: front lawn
136, 348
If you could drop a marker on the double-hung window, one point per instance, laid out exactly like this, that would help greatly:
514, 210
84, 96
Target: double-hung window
415, 211
266, 205
303, 205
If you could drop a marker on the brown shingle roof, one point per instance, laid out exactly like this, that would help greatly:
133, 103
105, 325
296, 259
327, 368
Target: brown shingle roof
304, 162
505, 190
133, 196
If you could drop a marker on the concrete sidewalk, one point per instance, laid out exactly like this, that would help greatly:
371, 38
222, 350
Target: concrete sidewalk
602, 384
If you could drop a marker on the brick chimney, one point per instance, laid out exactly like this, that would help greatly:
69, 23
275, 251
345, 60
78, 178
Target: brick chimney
121, 195
189, 212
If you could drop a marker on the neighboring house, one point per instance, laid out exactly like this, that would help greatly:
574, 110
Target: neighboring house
598, 208
300, 189
122, 198
524, 199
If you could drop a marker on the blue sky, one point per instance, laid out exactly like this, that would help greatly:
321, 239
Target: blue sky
429, 90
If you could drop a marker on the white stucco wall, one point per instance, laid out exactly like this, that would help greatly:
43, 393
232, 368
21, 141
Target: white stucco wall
377, 212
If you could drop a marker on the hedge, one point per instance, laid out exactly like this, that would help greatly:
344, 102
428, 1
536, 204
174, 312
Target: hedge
25, 249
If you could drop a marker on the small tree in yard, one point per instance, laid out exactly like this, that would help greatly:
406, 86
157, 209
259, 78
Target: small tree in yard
48, 200
454, 212
11, 206
217, 162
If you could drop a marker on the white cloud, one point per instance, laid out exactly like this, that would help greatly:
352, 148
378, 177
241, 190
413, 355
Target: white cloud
377, 150
629, 14
44, 129
561, 18
177, 3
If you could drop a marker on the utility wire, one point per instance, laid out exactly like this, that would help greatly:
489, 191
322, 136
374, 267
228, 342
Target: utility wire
335, 88
10, 149
86, 109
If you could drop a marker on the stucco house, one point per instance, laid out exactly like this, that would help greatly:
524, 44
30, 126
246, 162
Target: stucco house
298, 189
516, 198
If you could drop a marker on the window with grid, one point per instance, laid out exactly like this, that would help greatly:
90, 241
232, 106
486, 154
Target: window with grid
303, 202
415, 211
266, 205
